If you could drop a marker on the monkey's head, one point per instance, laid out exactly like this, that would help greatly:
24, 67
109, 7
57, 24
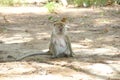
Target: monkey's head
59, 28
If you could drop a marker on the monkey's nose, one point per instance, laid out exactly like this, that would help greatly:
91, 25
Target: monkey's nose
61, 29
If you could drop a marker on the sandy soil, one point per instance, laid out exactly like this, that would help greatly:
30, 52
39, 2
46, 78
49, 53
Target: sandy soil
95, 37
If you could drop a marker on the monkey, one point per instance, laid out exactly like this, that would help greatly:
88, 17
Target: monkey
60, 44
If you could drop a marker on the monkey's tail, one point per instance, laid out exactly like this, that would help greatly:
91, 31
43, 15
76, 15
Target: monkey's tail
33, 54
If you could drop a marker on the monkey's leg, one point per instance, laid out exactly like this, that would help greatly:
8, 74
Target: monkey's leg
55, 54
69, 47
67, 53
53, 49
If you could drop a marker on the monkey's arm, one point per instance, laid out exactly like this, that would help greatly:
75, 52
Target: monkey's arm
69, 45
52, 47
33, 54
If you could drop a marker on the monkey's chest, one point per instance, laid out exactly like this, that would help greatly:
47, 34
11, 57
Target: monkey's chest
60, 45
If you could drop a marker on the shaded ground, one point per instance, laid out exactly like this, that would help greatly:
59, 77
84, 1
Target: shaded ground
95, 36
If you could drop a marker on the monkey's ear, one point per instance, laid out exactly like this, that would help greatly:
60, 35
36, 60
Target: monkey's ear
64, 19
54, 24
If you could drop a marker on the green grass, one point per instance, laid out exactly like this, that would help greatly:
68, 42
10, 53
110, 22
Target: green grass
51, 6
9, 2
88, 3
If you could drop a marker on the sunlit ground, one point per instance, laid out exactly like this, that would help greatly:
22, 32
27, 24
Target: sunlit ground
21, 10
95, 41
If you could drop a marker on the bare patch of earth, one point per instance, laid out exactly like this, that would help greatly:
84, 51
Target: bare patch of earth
95, 37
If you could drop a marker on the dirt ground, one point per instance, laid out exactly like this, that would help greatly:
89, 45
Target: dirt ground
95, 37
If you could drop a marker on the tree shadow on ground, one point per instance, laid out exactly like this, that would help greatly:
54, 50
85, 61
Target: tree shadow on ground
88, 28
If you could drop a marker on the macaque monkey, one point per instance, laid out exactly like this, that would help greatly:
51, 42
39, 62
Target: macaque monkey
60, 45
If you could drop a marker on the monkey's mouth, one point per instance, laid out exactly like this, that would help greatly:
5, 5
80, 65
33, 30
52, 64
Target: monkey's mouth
61, 30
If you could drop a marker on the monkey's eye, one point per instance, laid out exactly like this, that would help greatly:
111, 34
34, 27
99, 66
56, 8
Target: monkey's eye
61, 29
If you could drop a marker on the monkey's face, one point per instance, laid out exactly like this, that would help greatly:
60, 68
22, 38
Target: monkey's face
59, 28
